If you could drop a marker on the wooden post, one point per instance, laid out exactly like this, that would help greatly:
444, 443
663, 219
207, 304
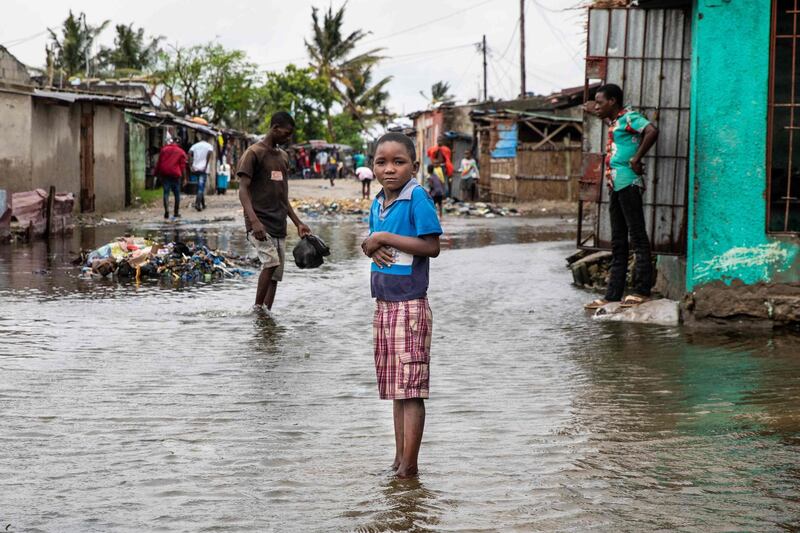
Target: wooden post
484, 69
522, 47
51, 198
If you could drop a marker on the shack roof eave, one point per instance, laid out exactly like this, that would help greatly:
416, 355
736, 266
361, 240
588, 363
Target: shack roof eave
515, 114
71, 97
544, 116
158, 117
643, 4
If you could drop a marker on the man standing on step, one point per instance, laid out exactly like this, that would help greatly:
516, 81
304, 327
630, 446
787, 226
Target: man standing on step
630, 137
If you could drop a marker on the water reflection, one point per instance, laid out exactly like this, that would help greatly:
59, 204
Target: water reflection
409, 506
46, 265
137, 408
707, 422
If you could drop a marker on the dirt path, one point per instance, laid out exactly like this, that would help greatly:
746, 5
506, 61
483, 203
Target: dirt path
346, 191
227, 206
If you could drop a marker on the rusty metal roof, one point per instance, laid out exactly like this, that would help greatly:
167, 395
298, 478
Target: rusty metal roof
73, 97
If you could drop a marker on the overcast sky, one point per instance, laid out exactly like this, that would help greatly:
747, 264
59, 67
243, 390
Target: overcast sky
424, 40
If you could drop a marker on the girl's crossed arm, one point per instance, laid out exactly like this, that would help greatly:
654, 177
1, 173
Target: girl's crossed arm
424, 246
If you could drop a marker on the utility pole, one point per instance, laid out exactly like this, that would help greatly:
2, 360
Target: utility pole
522, 47
483, 46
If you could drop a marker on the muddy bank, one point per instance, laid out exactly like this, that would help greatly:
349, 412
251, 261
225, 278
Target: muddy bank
762, 304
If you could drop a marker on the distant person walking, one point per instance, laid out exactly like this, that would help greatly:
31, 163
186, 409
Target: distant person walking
365, 176
264, 193
321, 163
359, 159
171, 169
223, 176
469, 176
441, 157
630, 137
435, 188
330, 168
201, 153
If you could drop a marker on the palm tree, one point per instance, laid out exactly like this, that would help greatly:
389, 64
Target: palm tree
364, 101
73, 50
330, 55
131, 52
439, 92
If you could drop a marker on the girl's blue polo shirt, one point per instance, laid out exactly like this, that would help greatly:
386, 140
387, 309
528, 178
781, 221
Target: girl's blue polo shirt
412, 214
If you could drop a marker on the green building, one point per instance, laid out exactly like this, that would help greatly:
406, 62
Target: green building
721, 80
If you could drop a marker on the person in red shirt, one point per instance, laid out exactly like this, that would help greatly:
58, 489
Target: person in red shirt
442, 157
171, 168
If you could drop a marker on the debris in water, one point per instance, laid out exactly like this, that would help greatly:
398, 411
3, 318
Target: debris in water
138, 258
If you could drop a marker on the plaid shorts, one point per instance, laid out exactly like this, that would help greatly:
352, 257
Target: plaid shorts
402, 333
271, 253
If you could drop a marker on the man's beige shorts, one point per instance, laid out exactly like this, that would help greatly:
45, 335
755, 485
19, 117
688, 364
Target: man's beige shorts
271, 253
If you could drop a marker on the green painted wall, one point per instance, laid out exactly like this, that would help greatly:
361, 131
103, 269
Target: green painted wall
727, 185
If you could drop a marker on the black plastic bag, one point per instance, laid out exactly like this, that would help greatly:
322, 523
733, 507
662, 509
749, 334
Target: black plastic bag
309, 252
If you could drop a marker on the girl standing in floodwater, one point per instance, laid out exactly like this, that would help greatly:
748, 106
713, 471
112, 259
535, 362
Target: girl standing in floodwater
404, 234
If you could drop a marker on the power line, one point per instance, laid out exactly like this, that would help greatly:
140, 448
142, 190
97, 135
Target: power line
506, 76
554, 31
532, 72
550, 9
504, 87
432, 51
428, 23
511, 40
15, 42
466, 71
413, 28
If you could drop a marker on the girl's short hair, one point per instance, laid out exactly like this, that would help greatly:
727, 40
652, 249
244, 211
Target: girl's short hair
396, 137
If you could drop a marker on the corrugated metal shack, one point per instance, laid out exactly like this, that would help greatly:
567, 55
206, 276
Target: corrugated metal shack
648, 53
430, 124
528, 156
67, 139
147, 133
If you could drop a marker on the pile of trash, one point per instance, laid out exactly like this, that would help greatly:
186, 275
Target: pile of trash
136, 258
343, 206
315, 208
477, 209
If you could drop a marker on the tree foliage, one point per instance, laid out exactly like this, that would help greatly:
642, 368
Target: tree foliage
72, 50
209, 81
439, 93
365, 102
132, 53
336, 97
299, 91
332, 57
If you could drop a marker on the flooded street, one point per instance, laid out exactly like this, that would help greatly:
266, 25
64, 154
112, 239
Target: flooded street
144, 408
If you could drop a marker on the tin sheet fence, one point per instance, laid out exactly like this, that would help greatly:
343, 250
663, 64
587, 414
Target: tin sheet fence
647, 53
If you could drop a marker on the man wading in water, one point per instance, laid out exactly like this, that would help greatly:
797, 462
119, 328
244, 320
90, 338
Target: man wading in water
264, 194
630, 137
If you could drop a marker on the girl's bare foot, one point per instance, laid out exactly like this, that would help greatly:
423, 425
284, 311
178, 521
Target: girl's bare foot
406, 472
396, 464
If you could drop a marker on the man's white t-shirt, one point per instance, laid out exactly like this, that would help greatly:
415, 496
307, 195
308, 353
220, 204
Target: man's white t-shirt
200, 151
364, 173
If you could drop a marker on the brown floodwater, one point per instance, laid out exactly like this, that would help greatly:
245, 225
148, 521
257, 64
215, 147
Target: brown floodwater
148, 408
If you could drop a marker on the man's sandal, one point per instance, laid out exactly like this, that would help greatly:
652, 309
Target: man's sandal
596, 304
632, 300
